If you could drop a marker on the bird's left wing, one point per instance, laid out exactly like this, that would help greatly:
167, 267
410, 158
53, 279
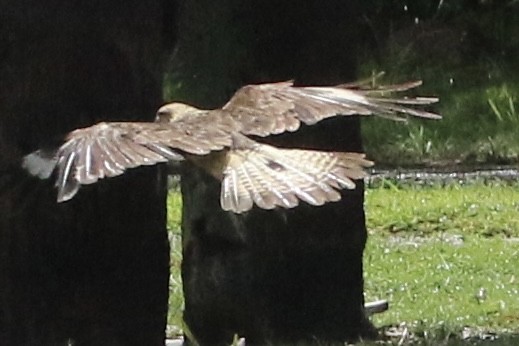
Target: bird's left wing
107, 149
274, 108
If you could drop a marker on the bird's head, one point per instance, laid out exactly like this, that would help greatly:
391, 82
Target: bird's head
174, 111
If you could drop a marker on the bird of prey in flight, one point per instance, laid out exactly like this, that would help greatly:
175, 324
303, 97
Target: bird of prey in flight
221, 141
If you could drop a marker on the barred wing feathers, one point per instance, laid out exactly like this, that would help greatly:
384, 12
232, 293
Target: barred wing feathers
268, 176
108, 149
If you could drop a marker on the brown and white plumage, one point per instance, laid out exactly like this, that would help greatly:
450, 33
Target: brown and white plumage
269, 177
251, 173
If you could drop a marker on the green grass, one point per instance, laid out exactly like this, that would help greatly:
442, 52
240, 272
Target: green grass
472, 210
479, 125
446, 259
176, 297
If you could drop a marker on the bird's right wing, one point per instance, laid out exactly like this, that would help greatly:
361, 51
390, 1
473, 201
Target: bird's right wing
108, 149
270, 177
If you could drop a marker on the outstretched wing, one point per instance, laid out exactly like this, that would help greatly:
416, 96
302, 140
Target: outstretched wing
269, 177
108, 149
273, 108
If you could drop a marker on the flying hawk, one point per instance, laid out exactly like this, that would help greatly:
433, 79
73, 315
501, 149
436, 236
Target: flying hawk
219, 141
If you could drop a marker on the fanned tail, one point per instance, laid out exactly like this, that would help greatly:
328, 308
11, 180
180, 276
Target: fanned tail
272, 177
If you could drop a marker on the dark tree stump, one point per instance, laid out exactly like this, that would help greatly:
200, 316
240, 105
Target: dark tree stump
274, 276
278, 276
93, 271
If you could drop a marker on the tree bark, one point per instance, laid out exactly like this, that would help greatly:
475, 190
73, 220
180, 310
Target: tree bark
279, 276
92, 271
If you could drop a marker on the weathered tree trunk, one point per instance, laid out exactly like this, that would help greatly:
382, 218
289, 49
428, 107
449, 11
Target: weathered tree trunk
92, 271
272, 276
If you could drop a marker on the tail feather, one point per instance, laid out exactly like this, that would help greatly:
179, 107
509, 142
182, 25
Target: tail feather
272, 177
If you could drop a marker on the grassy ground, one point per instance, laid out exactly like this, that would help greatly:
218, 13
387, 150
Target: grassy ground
447, 259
